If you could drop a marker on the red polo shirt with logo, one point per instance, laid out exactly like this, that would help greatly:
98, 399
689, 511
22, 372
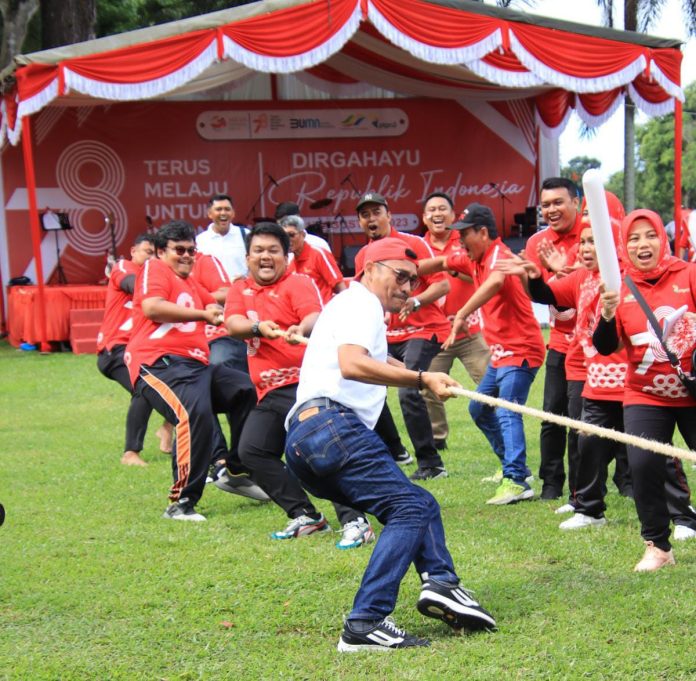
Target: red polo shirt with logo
274, 363
118, 314
151, 340
508, 322
210, 274
460, 291
562, 323
321, 267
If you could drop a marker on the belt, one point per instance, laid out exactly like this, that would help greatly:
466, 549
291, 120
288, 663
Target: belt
314, 406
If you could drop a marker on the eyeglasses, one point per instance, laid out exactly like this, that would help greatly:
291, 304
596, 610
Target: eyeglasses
181, 250
292, 235
403, 277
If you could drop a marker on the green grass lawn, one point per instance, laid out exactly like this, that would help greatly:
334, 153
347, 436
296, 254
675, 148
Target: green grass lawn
94, 584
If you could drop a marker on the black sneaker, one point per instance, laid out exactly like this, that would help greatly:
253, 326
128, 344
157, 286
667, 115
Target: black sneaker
181, 510
239, 484
403, 458
384, 636
454, 606
550, 493
428, 473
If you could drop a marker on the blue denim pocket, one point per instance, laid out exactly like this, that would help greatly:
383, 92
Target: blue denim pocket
319, 444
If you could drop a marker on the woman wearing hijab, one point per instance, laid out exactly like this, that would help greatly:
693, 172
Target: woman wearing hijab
595, 382
655, 401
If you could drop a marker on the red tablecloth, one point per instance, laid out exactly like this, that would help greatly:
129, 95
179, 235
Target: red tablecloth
23, 319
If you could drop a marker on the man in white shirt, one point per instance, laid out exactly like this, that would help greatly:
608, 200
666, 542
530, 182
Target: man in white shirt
334, 451
226, 241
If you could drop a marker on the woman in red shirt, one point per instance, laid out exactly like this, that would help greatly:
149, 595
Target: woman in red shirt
655, 401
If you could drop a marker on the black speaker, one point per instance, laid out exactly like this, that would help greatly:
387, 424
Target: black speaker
348, 260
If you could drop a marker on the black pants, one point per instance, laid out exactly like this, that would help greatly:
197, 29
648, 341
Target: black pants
188, 394
111, 364
261, 449
660, 488
575, 401
417, 354
387, 430
553, 438
595, 454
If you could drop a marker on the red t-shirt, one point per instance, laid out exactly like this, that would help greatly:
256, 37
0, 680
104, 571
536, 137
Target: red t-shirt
429, 319
274, 363
460, 291
650, 378
151, 340
210, 274
604, 376
507, 320
118, 314
321, 267
562, 323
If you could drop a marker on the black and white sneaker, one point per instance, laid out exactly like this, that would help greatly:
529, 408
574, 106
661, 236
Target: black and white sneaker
239, 484
404, 458
181, 510
454, 606
384, 636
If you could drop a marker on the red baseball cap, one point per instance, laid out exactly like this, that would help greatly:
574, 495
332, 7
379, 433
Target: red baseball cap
389, 248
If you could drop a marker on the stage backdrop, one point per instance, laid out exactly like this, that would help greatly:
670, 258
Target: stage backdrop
147, 163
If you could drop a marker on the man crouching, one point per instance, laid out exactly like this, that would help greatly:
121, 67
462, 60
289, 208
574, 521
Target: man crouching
332, 448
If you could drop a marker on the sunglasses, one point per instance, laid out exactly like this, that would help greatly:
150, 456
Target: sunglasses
182, 250
403, 277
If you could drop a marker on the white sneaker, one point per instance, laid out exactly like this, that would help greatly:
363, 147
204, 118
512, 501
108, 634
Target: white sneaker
579, 520
566, 508
682, 533
355, 534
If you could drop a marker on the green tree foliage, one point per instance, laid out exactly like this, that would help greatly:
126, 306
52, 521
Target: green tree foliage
655, 163
117, 16
577, 166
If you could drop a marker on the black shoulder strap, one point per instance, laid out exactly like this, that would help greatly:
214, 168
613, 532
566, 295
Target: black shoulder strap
673, 359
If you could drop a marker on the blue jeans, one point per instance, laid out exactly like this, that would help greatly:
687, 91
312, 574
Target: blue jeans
337, 457
232, 350
503, 428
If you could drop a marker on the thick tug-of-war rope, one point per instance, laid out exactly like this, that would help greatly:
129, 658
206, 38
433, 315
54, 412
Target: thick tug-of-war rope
587, 428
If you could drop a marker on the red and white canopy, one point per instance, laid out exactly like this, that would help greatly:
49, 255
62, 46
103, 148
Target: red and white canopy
435, 48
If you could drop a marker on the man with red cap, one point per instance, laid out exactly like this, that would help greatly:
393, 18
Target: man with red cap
332, 448
513, 335
415, 332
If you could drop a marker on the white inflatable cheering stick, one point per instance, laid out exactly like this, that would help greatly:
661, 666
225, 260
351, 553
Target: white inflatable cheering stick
601, 229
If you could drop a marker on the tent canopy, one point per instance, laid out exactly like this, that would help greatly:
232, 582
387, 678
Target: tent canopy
434, 48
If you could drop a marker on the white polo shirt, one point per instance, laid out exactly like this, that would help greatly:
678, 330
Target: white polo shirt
228, 248
353, 317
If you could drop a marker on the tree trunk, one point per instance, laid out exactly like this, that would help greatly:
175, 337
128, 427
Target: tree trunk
67, 21
629, 155
630, 24
15, 21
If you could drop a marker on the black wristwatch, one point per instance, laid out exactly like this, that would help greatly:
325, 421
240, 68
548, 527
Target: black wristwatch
255, 330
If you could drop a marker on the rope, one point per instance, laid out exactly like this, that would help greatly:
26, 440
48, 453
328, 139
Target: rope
581, 427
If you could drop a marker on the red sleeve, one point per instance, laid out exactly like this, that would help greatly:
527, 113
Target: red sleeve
206, 298
154, 281
210, 273
460, 262
330, 271
304, 295
565, 289
122, 269
234, 303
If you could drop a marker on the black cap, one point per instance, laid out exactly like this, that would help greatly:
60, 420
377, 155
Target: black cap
475, 214
371, 197
286, 208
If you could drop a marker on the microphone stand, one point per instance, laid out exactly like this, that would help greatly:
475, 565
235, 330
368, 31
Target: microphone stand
503, 199
252, 211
